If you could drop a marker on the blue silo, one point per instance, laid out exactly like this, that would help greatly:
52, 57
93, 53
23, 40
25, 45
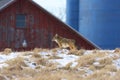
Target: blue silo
100, 22
73, 14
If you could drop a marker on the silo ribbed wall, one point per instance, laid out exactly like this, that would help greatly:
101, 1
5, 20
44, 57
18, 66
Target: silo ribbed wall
73, 14
99, 21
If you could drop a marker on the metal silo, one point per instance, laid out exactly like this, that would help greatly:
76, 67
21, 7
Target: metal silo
100, 22
73, 13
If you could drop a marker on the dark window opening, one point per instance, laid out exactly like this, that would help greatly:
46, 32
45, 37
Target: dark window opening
20, 21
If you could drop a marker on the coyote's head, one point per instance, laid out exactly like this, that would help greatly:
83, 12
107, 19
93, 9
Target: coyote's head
55, 38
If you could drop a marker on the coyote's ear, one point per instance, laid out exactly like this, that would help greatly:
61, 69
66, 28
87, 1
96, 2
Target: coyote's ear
56, 35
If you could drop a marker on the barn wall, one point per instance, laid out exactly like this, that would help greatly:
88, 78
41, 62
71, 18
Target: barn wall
40, 28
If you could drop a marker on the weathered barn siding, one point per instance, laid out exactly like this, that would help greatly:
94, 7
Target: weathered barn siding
40, 27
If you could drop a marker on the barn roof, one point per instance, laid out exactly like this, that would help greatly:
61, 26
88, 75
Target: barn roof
6, 3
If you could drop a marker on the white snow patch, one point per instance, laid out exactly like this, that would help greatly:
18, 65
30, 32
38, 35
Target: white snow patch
96, 63
87, 70
74, 64
3, 65
63, 79
65, 51
88, 52
66, 59
44, 53
31, 64
117, 63
7, 57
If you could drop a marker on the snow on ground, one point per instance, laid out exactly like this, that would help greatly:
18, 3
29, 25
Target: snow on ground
3, 57
66, 59
63, 58
117, 63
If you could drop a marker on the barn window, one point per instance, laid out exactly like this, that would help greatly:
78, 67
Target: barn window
20, 21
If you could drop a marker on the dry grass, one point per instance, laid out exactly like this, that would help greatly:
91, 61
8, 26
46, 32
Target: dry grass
59, 75
7, 51
98, 67
45, 74
46, 70
77, 52
89, 59
92, 67
41, 61
14, 65
99, 75
117, 76
54, 50
36, 55
106, 61
37, 50
2, 77
55, 57
16, 61
68, 66
86, 60
117, 50
110, 68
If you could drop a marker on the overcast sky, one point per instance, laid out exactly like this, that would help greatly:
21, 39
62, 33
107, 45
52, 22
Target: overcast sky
51, 3
56, 7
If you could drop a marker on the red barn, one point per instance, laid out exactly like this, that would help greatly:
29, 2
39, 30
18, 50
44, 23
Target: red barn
25, 21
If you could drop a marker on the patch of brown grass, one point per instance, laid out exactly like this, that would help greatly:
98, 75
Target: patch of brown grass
24, 72
86, 60
106, 61
7, 51
95, 51
36, 55
2, 77
92, 67
116, 76
14, 64
55, 57
97, 67
77, 52
37, 50
101, 54
26, 53
54, 50
68, 66
117, 50
58, 75
110, 68
103, 73
46, 75
42, 61
99, 75
28, 71
16, 61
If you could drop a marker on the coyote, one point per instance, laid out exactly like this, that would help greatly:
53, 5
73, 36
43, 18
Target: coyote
64, 42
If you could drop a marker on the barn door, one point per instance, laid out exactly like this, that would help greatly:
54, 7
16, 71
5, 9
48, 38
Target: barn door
20, 31
25, 32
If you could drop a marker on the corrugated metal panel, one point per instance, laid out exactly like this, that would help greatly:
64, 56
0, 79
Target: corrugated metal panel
73, 13
100, 22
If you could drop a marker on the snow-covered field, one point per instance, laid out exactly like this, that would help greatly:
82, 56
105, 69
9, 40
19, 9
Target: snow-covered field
60, 64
